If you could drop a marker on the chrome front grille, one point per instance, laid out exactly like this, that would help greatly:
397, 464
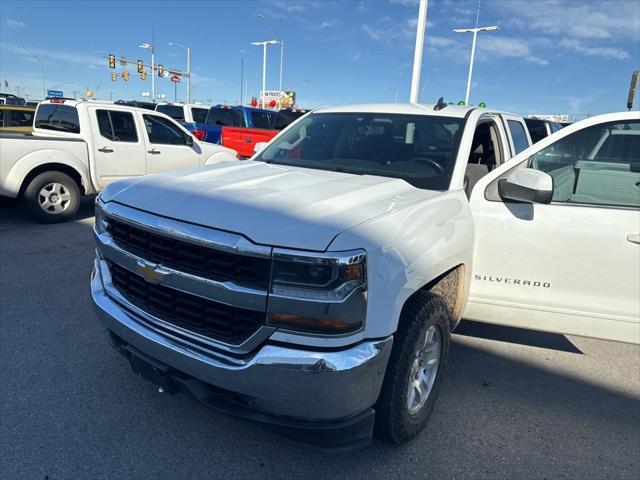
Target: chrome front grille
191, 258
205, 317
188, 281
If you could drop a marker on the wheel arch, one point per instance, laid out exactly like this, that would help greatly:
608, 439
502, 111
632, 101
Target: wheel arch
53, 167
451, 287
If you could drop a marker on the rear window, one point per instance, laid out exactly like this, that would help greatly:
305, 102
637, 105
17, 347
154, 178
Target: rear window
229, 117
286, 117
174, 111
199, 115
260, 120
53, 116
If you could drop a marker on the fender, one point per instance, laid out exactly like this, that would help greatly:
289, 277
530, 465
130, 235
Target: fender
408, 249
20, 169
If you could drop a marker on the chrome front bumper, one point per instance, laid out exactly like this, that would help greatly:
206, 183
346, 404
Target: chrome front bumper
278, 380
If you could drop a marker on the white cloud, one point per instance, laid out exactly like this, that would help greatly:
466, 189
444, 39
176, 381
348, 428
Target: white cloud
580, 47
329, 23
536, 60
15, 23
593, 28
594, 20
76, 57
497, 47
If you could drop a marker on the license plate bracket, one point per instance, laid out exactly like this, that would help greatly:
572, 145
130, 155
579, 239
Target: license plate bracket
153, 371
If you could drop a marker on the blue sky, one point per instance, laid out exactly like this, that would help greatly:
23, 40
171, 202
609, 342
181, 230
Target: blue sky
555, 56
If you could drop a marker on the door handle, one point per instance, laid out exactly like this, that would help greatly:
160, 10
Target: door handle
248, 140
105, 150
153, 151
634, 238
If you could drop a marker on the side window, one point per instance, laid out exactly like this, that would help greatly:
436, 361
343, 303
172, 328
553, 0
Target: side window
199, 115
485, 154
260, 120
104, 124
163, 131
236, 118
21, 118
117, 126
518, 135
598, 165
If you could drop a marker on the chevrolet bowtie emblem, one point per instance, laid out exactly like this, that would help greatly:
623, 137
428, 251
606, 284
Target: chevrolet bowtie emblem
150, 272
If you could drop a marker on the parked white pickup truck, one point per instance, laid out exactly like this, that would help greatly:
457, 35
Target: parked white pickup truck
80, 147
315, 287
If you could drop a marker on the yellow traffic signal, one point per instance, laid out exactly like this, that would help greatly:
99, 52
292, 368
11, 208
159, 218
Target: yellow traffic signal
113, 76
160, 71
140, 66
112, 61
143, 75
125, 76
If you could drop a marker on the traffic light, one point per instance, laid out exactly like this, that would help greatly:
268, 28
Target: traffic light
114, 76
112, 61
160, 71
140, 66
125, 76
143, 75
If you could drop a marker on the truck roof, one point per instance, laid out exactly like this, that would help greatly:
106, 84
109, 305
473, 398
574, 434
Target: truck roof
96, 103
459, 111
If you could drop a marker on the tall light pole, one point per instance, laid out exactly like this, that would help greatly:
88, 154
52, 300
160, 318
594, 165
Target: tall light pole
188, 68
264, 64
417, 56
279, 37
153, 70
473, 51
41, 61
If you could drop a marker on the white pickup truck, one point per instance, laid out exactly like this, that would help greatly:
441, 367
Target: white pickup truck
315, 287
77, 148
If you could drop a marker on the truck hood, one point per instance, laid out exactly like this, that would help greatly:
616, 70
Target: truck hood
269, 204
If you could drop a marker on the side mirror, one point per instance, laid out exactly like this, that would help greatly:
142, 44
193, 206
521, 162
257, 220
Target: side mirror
258, 147
527, 185
188, 141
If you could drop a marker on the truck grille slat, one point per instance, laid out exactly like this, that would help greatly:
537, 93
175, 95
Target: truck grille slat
202, 261
203, 316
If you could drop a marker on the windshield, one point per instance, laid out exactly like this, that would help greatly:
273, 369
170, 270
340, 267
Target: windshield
174, 111
419, 149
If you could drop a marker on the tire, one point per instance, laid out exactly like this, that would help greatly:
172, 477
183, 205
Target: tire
424, 313
52, 197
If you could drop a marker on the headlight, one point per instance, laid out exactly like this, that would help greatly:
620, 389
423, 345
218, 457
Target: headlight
101, 222
319, 293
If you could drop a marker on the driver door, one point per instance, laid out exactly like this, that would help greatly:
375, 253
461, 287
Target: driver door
167, 145
571, 266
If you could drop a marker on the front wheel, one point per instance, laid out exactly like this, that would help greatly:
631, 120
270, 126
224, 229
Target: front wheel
415, 369
52, 197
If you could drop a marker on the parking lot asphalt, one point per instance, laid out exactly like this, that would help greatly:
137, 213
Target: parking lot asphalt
514, 404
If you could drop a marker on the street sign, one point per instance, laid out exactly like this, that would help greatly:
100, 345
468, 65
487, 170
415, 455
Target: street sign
175, 79
54, 93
